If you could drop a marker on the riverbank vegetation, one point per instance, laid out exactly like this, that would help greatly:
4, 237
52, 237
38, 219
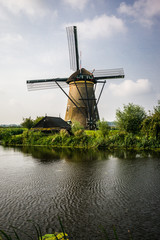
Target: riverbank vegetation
54, 236
134, 129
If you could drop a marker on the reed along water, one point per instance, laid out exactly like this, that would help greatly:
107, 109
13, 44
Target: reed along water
86, 189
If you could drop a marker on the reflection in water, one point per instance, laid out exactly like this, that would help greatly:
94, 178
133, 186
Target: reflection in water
86, 188
48, 154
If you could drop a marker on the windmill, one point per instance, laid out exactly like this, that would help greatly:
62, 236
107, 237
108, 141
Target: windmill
82, 103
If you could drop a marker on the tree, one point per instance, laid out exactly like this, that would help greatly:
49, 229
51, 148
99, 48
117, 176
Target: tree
131, 118
157, 108
37, 120
151, 125
155, 125
27, 123
103, 127
146, 125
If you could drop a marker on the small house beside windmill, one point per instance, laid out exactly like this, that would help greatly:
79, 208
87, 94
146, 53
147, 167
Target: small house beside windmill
51, 124
82, 103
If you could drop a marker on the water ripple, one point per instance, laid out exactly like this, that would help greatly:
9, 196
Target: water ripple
85, 194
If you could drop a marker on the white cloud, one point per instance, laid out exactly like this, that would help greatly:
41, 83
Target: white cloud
130, 88
76, 3
3, 15
10, 38
2, 92
143, 11
103, 26
12, 102
28, 7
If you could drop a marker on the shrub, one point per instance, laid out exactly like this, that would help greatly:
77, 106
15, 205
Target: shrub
57, 140
131, 118
102, 142
64, 133
16, 139
103, 128
32, 138
79, 133
8, 132
76, 126
130, 140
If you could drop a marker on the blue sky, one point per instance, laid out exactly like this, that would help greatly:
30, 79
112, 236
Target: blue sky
111, 34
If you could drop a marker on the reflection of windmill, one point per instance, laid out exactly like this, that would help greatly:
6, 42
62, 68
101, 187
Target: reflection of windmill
82, 104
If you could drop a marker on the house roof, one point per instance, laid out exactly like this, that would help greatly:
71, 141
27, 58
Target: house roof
52, 122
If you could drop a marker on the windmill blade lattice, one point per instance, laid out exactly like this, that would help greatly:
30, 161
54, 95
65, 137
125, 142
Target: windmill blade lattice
73, 47
108, 73
42, 84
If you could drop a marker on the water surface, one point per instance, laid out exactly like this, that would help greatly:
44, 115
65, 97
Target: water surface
85, 188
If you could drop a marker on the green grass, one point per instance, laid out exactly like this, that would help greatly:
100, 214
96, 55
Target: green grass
54, 236
38, 233
80, 139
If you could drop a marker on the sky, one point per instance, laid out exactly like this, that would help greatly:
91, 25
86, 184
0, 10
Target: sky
111, 34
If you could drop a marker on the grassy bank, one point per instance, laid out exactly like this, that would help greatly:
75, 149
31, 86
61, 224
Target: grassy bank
79, 139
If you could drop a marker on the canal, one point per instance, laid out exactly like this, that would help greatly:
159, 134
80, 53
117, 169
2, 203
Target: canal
88, 190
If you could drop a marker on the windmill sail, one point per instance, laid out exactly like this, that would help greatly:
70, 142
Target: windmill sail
73, 47
42, 84
108, 73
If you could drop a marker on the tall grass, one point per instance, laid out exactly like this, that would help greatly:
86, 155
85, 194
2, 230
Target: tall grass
54, 236
14, 235
80, 139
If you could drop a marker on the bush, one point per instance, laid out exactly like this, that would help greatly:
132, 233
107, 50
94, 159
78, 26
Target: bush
79, 133
80, 140
130, 140
6, 134
131, 118
64, 133
151, 125
101, 143
57, 140
32, 138
103, 128
117, 139
16, 140
76, 126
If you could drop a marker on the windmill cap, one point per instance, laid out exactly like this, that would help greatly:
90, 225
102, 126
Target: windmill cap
78, 73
